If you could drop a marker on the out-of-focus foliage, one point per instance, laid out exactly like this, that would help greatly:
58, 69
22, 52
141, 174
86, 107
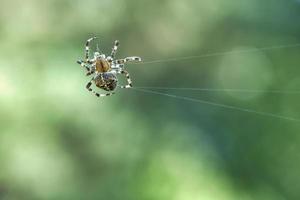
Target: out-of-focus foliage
57, 141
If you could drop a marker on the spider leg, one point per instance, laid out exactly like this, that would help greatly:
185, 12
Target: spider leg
128, 59
88, 87
87, 48
129, 82
91, 71
83, 64
114, 49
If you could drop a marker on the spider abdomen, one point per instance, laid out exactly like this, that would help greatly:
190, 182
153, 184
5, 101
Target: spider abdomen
106, 81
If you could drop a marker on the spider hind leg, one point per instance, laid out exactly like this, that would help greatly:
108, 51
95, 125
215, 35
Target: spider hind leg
129, 82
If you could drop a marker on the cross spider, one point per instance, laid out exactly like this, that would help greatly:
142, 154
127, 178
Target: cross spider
105, 69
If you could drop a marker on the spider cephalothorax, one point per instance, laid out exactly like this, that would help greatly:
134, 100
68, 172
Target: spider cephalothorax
105, 69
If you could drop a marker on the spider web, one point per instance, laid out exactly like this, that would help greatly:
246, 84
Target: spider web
157, 90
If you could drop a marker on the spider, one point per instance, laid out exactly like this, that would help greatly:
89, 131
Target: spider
105, 69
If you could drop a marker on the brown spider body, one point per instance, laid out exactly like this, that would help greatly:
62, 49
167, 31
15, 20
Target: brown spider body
106, 81
102, 65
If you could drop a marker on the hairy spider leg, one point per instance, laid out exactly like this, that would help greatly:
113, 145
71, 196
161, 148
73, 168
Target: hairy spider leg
90, 69
90, 73
129, 82
128, 59
114, 49
83, 64
87, 49
88, 87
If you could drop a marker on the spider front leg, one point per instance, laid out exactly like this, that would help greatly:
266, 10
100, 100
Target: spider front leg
128, 59
114, 49
88, 87
87, 49
129, 82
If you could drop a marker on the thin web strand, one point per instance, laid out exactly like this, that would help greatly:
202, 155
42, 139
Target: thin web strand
266, 114
222, 90
221, 54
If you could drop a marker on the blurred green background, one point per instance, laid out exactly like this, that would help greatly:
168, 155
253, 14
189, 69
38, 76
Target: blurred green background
58, 141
